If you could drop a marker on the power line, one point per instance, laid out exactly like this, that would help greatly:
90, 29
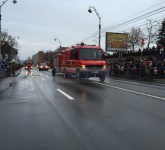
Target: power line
129, 21
149, 14
157, 11
145, 10
141, 24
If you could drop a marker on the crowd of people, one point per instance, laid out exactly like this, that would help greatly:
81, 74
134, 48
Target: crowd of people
146, 63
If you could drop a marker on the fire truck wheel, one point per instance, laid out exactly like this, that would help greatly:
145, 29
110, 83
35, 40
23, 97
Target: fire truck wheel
102, 77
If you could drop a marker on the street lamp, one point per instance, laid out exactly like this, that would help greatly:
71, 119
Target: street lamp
14, 2
56, 39
90, 11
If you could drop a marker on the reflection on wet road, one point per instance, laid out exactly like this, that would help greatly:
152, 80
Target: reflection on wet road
43, 112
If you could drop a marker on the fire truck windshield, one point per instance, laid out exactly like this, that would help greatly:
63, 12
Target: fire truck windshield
90, 54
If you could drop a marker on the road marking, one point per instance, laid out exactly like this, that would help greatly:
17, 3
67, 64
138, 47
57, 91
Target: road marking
132, 91
65, 94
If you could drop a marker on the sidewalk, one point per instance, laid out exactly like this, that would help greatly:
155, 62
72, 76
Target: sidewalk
7, 81
159, 80
2, 74
154, 80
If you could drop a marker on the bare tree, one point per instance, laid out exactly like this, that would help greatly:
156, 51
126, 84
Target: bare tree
135, 36
9, 46
12, 42
5, 47
152, 31
4, 37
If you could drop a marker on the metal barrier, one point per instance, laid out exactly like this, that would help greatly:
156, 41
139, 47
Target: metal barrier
138, 73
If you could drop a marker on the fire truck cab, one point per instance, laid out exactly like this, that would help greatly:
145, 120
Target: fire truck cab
82, 61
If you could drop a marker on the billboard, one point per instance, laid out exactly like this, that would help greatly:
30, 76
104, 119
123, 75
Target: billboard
116, 41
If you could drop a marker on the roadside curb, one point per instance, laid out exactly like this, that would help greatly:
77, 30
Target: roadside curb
157, 80
7, 81
161, 81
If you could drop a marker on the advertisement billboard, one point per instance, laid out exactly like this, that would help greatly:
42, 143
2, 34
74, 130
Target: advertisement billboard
116, 41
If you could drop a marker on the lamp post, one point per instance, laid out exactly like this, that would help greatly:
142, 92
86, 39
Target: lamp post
56, 39
90, 11
14, 2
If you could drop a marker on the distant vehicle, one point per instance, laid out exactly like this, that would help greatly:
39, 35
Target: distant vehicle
82, 61
28, 66
43, 67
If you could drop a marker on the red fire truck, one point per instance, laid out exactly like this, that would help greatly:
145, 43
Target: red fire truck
82, 61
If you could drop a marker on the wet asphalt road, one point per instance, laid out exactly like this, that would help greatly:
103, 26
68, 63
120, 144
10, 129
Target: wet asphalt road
40, 112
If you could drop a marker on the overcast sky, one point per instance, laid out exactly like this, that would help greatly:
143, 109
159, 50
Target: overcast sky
38, 22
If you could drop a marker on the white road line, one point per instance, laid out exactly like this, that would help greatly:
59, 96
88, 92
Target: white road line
65, 94
132, 91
